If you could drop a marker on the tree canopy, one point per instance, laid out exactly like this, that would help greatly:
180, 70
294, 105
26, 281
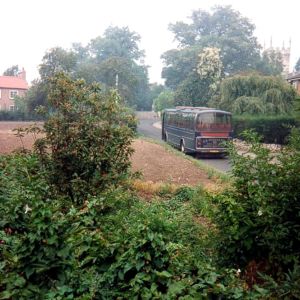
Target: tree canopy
256, 94
164, 100
195, 73
12, 71
116, 42
114, 60
225, 29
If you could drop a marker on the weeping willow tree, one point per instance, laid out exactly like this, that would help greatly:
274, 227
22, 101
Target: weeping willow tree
256, 94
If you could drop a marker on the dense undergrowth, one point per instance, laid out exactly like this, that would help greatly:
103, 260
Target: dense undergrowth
112, 246
73, 227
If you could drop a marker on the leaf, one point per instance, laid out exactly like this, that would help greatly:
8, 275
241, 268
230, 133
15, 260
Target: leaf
140, 264
19, 281
176, 288
6, 295
163, 274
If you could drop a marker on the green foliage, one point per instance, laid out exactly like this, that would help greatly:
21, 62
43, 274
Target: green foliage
155, 90
164, 100
87, 142
193, 91
297, 108
69, 230
107, 247
254, 94
179, 65
271, 63
36, 96
117, 42
272, 129
259, 217
113, 59
297, 65
12, 71
56, 60
32, 231
17, 116
225, 29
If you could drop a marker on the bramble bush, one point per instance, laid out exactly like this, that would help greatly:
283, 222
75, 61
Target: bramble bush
259, 218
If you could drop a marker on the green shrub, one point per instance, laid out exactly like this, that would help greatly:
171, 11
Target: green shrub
87, 138
259, 217
272, 129
33, 229
18, 116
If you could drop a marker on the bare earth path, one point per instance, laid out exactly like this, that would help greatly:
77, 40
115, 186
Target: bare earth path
155, 162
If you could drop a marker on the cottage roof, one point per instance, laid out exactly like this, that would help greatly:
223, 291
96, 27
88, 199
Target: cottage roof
293, 76
13, 82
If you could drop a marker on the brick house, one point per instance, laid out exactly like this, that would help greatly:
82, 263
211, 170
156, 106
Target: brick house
10, 87
294, 79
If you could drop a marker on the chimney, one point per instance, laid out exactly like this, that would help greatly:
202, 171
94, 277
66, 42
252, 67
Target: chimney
22, 74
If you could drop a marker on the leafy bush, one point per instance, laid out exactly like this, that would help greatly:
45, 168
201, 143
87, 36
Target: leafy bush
259, 218
109, 246
273, 129
34, 254
87, 138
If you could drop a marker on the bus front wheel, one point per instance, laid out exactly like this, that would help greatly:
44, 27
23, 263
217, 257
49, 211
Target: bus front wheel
182, 148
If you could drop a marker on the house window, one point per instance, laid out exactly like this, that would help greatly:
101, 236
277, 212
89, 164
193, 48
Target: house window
13, 94
11, 107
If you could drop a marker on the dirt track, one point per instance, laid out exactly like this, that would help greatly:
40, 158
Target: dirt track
155, 162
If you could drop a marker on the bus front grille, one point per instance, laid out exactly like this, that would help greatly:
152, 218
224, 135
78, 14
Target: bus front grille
211, 142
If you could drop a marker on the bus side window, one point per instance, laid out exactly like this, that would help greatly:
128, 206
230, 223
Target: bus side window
199, 123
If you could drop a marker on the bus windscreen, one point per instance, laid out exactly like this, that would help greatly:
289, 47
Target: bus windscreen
213, 121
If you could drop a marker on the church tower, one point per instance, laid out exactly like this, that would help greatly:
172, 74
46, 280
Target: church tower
285, 53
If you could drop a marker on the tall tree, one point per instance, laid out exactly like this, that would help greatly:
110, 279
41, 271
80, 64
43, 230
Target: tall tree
179, 64
57, 60
12, 71
114, 60
118, 63
117, 42
225, 29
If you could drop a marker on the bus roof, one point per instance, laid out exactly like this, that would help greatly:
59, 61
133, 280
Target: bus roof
195, 110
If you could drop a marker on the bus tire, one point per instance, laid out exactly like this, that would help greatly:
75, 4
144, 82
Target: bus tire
182, 147
166, 137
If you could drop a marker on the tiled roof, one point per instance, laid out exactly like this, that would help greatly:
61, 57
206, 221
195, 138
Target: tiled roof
12, 82
295, 76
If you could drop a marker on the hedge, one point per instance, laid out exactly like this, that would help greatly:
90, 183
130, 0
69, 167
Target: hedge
18, 116
273, 129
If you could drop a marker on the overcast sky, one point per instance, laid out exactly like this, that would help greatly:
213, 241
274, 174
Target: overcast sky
30, 27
